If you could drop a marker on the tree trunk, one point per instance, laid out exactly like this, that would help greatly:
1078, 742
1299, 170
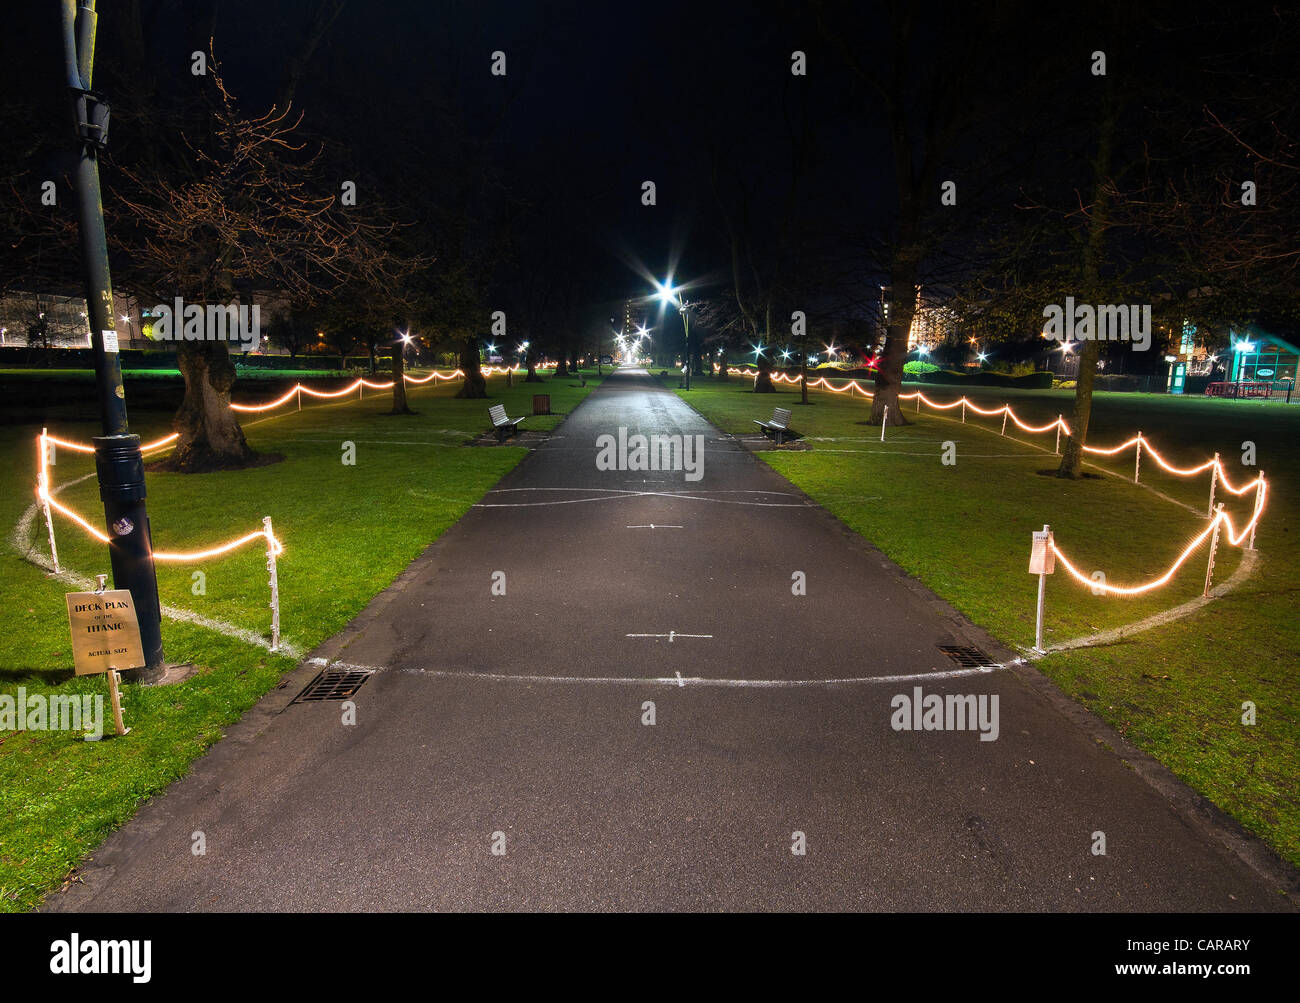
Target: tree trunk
532, 376
210, 436
803, 375
562, 367
573, 360
722, 366
399, 380
475, 386
1072, 455
763, 381
889, 376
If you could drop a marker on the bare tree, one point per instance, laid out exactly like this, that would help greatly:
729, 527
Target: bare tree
250, 215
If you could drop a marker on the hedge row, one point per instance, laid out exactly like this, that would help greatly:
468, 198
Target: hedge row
12, 357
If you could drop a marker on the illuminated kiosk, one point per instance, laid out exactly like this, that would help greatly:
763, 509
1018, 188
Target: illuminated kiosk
1263, 365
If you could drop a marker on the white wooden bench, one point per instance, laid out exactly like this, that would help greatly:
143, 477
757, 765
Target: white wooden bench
778, 426
504, 426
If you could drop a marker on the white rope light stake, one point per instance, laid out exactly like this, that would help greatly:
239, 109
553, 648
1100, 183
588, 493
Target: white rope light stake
963, 410
1042, 562
1214, 480
1259, 501
884, 418
1004, 420
1137, 457
43, 478
275, 584
1058, 435
1214, 545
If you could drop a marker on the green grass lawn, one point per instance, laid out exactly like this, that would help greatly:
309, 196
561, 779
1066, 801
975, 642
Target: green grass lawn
348, 531
964, 530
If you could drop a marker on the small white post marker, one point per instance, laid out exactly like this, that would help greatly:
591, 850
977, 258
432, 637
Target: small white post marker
274, 582
1259, 504
1214, 546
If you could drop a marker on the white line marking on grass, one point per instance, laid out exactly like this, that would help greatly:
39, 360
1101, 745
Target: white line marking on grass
1244, 570
17, 541
653, 526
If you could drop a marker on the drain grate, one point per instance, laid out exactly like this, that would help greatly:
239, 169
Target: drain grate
967, 658
333, 684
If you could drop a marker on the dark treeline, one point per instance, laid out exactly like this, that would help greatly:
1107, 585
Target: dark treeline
810, 162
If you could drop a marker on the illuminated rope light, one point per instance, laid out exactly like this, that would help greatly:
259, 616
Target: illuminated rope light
1138, 441
274, 547
1234, 538
1111, 452
299, 388
66, 444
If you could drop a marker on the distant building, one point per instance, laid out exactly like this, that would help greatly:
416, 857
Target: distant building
634, 317
58, 319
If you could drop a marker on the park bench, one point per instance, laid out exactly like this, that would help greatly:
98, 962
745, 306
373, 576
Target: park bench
778, 426
497, 412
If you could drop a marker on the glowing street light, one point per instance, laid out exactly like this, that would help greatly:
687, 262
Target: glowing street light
670, 295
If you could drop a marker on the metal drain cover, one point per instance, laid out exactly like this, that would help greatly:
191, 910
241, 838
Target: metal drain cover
333, 684
967, 658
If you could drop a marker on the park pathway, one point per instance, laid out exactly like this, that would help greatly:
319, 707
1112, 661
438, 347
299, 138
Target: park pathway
519, 722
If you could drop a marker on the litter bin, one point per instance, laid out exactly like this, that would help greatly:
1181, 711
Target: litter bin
541, 403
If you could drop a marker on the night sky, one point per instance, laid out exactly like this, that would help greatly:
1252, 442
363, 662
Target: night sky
601, 97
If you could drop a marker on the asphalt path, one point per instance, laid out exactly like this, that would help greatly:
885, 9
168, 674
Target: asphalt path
519, 723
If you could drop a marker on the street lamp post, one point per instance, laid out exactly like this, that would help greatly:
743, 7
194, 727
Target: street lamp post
671, 295
119, 463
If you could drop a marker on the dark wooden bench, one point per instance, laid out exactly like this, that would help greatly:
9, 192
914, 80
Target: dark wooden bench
778, 426
504, 426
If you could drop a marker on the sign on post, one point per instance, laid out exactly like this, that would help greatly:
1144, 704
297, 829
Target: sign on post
1042, 562
105, 632
105, 638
